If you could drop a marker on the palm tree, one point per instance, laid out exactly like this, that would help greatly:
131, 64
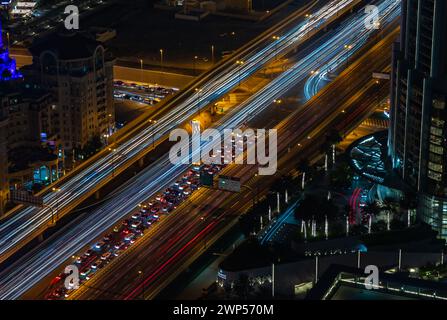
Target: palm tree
371, 209
304, 168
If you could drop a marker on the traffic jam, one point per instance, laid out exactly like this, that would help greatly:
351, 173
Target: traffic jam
129, 231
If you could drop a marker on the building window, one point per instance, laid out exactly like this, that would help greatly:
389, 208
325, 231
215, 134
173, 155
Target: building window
435, 167
436, 149
434, 175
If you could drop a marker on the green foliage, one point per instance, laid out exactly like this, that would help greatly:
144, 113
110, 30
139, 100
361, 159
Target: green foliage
341, 177
316, 207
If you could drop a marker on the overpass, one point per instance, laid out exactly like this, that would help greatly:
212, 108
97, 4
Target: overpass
143, 135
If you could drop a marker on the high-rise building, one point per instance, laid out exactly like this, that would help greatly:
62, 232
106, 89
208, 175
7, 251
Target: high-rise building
4, 186
79, 72
418, 131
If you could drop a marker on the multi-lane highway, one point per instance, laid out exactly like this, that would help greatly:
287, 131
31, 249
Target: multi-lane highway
137, 140
165, 252
192, 231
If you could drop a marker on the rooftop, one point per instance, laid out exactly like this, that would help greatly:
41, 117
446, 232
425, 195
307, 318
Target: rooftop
66, 45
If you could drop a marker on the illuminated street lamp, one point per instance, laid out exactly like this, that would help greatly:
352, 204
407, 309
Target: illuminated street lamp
161, 58
194, 64
198, 91
276, 38
141, 70
239, 63
141, 274
347, 48
113, 160
54, 189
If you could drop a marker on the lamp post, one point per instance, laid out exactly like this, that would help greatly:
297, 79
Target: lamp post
142, 283
161, 59
113, 161
198, 91
347, 48
54, 189
194, 64
141, 70
276, 38
239, 63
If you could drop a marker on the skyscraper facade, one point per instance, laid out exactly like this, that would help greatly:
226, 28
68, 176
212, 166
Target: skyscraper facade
79, 72
418, 131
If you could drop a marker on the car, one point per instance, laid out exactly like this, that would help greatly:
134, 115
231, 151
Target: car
117, 253
136, 215
154, 210
100, 245
129, 237
85, 274
116, 229
89, 252
119, 245
106, 255
97, 264
78, 260
136, 224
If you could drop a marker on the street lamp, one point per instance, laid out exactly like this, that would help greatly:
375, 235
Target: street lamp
113, 160
161, 59
153, 134
239, 63
347, 48
198, 98
54, 189
141, 70
142, 283
194, 64
276, 38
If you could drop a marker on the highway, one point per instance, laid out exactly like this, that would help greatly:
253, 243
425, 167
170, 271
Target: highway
26, 223
162, 266
179, 233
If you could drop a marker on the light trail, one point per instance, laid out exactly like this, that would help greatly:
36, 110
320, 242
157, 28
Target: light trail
33, 267
24, 223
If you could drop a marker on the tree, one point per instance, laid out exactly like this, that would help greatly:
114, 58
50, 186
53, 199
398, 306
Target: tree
303, 166
341, 177
334, 137
92, 146
313, 207
242, 286
371, 209
6, 74
409, 201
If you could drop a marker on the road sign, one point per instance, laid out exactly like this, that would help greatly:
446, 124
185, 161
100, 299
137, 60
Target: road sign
229, 183
206, 179
380, 75
26, 198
